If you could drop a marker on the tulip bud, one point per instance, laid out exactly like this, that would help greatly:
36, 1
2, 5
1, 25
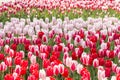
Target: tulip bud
8, 61
79, 68
118, 77
61, 68
34, 67
3, 66
68, 61
29, 54
42, 74
33, 59
32, 77
46, 63
1, 56
15, 75
107, 72
17, 69
6, 49
95, 63
56, 70
73, 65
11, 53
8, 77
49, 71
44, 38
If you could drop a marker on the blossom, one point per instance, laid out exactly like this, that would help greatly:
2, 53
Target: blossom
8, 77
3, 66
40, 34
8, 61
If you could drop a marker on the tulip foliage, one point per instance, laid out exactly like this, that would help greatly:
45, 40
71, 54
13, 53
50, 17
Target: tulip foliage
60, 40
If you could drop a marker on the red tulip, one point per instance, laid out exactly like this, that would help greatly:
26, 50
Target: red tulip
38, 41
49, 71
107, 72
52, 58
81, 34
116, 36
14, 46
44, 38
60, 48
93, 39
46, 63
51, 78
93, 50
24, 63
56, 53
19, 54
108, 45
7, 41
17, 60
65, 73
80, 51
68, 78
74, 56
1, 56
110, 54
101, 61
8, 77
40, 34
108, 63
23, 70
36, 73
31, 77
19, 78
26, 46
94, 55
34, 67
118, 77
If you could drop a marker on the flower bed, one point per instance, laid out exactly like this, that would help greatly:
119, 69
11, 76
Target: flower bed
60, 40
60, 50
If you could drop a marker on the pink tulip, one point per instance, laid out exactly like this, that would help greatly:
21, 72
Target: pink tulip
8, 61
11, 53
42, 74
33, 59
17, 69
6, 49
73, 65
95, 63
56, 70
3, 67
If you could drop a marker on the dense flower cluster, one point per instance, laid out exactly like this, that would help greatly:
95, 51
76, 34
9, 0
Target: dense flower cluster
62, 4
57, 40
70, 49
59, 8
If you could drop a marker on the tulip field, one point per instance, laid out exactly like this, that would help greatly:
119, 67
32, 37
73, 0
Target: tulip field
60, 40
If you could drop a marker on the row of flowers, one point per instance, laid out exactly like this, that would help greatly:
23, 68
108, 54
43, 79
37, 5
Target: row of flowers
53, 50
58, 8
